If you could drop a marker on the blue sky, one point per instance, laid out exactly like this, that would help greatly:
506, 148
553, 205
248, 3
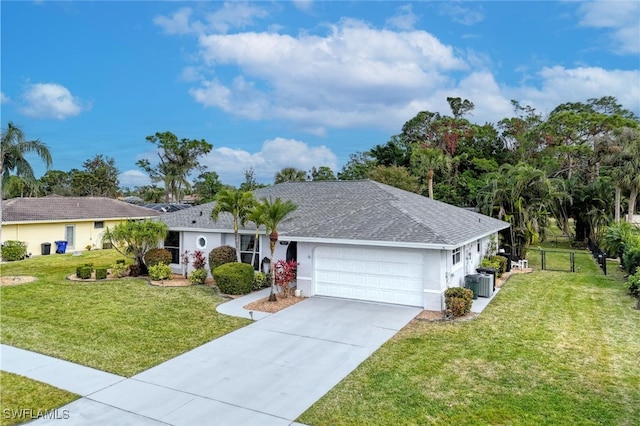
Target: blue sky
294, 84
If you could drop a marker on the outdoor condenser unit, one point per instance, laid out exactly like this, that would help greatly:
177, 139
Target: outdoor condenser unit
485, 287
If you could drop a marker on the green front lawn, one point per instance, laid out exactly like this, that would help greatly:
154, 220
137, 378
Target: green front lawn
123, 326
553, 348
23, 399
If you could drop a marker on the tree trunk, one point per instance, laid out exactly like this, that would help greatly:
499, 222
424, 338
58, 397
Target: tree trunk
237, 239
430, 177
632, 204
617, 205
273, 238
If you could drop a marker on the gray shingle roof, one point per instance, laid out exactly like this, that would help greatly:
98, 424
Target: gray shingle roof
54, 207
356, 210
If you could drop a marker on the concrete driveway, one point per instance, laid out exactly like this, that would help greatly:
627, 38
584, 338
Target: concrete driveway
267, 373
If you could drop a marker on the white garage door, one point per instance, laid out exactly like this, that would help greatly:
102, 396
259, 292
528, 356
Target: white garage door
375, 274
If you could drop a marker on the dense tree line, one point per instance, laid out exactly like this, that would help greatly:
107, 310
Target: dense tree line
579, 163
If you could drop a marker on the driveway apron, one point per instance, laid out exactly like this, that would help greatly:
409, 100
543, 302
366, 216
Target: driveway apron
267, 373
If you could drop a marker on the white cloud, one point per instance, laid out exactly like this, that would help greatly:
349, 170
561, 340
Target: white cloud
231, 15
622, 17
405, 19
352, 76
51, 100
559, 85
357, 76
274, 155
133, 178
4, 98
464, 15
304, 5
178, 23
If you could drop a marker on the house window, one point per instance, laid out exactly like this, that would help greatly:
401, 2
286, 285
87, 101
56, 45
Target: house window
70, 235
98, 225
172, 243
479, 246
201, 242
247, 243
456, 255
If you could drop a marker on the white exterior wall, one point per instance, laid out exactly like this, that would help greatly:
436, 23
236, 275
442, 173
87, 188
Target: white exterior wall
439, 271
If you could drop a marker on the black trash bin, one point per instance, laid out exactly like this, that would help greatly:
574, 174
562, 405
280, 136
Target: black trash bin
61, 247
45, 248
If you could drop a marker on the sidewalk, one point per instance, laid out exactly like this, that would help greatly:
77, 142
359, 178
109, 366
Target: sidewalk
235, 308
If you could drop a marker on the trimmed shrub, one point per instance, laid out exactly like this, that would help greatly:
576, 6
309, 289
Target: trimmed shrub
260, 281
198, 276
13, 250
458, 301
84, 272
156, 256
86, 265
234, 278
160, 271
119, 270
101, 273
221, 255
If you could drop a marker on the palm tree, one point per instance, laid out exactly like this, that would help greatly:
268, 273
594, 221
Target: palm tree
13, 148
426, 161
272, 213
290, 174
239, 204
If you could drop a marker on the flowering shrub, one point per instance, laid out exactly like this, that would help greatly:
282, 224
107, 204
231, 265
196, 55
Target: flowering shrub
285, 273
199, 260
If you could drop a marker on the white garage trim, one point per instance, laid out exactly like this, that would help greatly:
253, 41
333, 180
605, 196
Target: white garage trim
377, 274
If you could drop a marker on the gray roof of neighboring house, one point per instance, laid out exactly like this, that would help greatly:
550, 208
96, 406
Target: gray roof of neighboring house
356, 210
54, 207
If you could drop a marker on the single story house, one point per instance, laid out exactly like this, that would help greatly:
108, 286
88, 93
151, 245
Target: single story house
355, 239
80, 221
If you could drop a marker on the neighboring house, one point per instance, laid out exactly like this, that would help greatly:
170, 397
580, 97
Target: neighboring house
80, 221
355, 239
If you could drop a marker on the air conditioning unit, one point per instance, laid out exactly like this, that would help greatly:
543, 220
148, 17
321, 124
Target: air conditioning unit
485, 286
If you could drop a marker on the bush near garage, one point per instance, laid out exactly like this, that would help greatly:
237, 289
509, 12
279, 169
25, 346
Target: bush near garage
260, 281
234, 278
458, 301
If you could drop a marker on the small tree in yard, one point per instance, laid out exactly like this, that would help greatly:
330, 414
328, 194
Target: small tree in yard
272, 213
134, 239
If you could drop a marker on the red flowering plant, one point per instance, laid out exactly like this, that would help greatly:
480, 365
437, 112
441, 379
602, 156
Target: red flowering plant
285, 273
199, 275
199, 260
